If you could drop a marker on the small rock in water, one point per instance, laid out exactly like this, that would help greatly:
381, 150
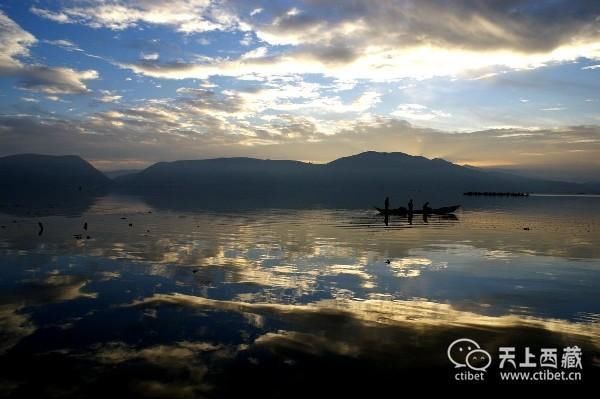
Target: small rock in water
130, 224
195, 271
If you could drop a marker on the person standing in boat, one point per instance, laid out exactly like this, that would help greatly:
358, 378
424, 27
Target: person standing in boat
410, 206
426, 208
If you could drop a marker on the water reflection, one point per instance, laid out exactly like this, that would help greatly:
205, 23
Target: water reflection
178, 304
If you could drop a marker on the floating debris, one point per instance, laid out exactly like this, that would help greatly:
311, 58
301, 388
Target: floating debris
41, 228
123, 218
526, 228
388, 261
130, 224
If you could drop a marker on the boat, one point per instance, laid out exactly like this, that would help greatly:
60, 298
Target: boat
402, 211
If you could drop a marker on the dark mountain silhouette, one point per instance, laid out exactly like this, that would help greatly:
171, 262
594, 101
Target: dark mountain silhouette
45, 184
358, 180
32, 171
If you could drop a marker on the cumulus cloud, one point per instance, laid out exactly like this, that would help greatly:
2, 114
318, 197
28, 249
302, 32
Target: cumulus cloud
14, 43
14, 46
52, 80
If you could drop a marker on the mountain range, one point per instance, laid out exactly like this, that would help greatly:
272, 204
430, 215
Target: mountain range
364, 178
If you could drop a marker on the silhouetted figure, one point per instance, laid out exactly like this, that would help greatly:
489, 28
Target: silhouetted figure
410, 206
85, 226
387, 204
426, 208
386, 219
41, 228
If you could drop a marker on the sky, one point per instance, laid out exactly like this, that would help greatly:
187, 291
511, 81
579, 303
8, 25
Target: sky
124, 83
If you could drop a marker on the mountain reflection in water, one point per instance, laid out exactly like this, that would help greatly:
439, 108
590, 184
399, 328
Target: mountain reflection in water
155, 302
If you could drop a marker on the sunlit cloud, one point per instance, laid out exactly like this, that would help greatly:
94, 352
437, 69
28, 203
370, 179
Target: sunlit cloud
15, 43
418, 112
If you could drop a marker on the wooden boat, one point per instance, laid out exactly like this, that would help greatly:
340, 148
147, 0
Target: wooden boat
402, 211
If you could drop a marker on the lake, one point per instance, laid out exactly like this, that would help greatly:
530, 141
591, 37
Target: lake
159, 302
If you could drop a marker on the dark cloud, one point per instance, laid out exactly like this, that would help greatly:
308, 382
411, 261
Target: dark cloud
51, 80
523, 25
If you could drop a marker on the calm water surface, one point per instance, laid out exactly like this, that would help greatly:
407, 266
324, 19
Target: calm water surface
177, 303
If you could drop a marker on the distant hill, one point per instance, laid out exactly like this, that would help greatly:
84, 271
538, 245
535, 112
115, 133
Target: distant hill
32, 172
364, 179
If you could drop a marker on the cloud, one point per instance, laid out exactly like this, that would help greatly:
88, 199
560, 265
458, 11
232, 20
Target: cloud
418, 112
52, 16
554, 109
379, 41
52, 80
256, 11
149, 56
108, 96
188, 16
14, 45
64, 44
